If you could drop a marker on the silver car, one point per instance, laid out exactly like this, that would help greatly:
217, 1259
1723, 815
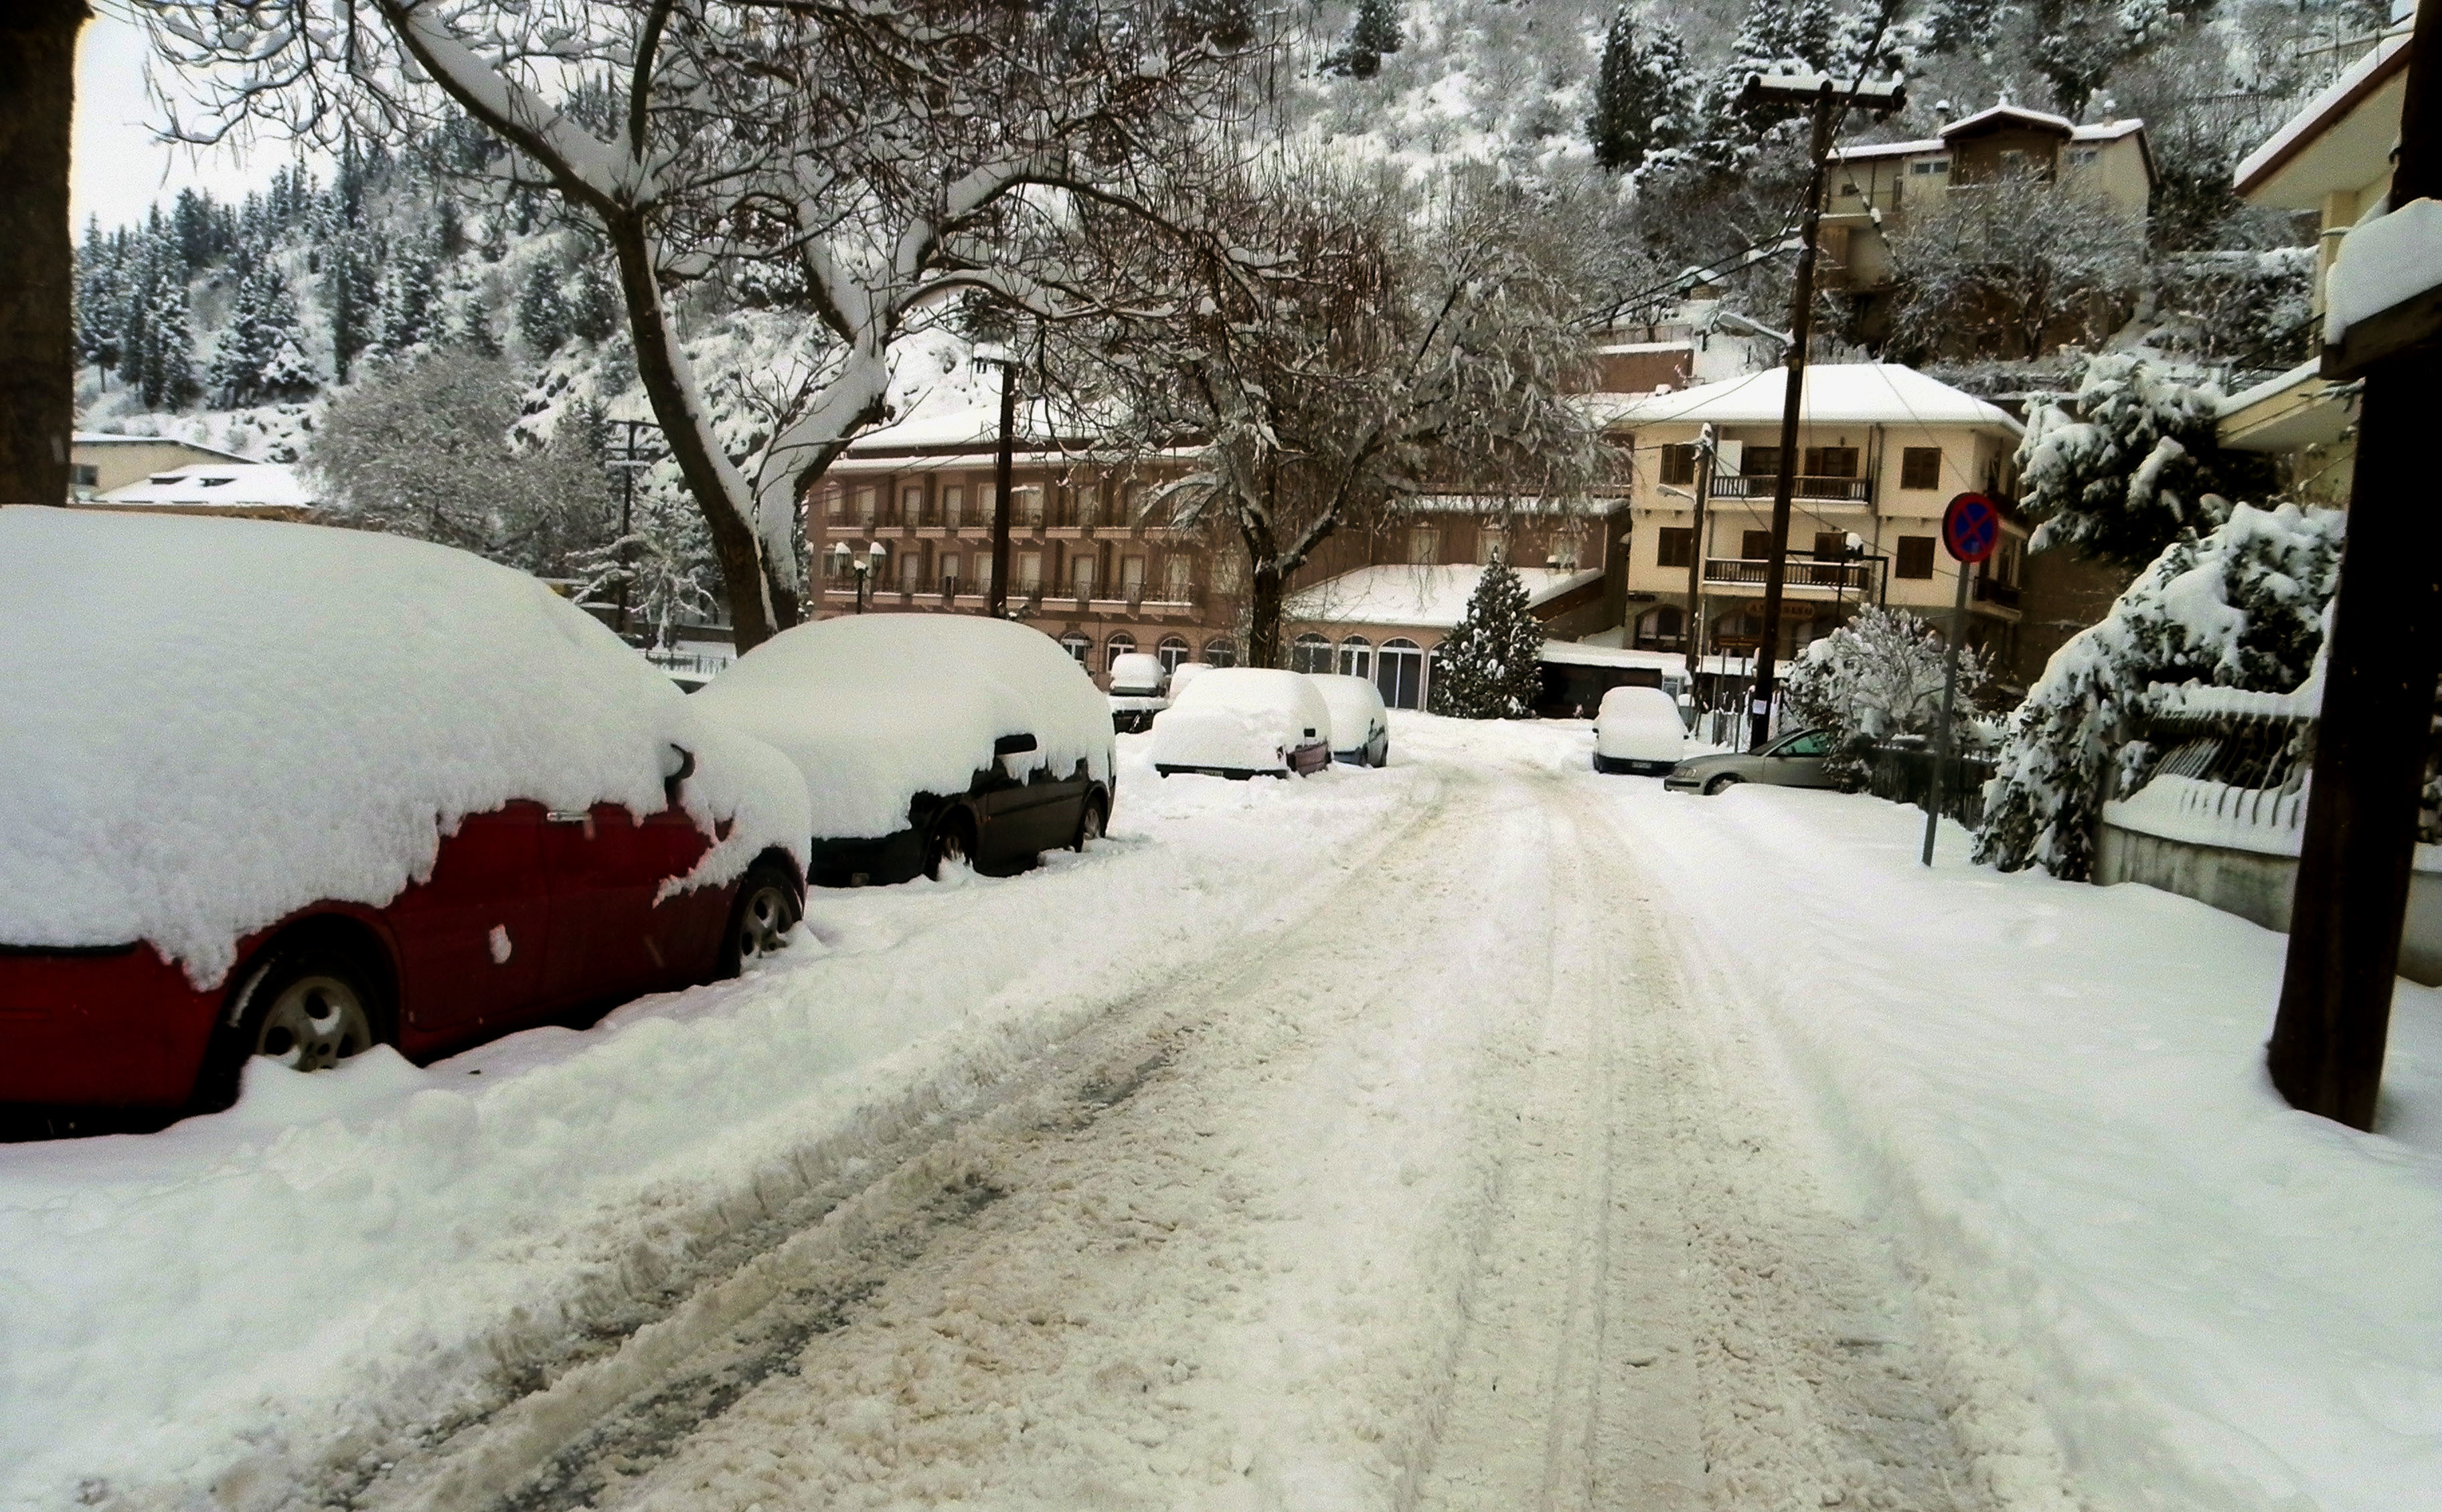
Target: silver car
1792, 761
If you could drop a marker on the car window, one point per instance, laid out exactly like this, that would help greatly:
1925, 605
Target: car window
1813, 743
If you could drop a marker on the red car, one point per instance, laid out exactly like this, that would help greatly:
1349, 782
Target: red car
290, 791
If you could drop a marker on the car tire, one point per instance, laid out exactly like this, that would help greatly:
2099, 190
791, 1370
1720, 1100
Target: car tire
311, 1003
1090, 824
1381, 756
950, 841
767, 907
1727, 780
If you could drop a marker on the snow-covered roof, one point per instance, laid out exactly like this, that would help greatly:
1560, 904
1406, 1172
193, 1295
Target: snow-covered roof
1496, 504
1835, 394
1429, 597
2107, 131
1907, 149
2258, 174
1581, 653
2384, 263
221, 485
2009, 114
106, 438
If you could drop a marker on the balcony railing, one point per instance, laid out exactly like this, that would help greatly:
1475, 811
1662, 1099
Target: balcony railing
1798, 572
1991, 591
1825, 490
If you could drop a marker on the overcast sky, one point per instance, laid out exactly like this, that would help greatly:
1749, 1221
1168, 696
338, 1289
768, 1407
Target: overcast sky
119, 166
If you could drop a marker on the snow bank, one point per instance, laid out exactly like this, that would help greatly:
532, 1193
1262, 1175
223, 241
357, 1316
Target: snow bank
876, 708
1242, 718
214, 722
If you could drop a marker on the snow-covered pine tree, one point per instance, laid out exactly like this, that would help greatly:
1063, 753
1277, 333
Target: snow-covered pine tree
542, 314
594, 311
472, 332
348, 295
2240, 608
2139, 463
408, 317
1375, 35
166, 380
1644, 94
245, 345
100, 298
1491, 668
1962, 25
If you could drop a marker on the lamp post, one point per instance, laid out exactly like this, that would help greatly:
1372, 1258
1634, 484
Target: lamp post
863, 564
996, 595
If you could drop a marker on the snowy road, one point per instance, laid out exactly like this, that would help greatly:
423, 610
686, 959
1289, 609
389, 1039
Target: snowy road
1430, 1199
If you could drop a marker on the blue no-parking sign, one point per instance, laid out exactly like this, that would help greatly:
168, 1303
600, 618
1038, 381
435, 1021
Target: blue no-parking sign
1971, 527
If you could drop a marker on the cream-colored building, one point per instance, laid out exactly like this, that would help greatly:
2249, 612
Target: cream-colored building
101, 463
2333, 159
1871, 190
1884, 451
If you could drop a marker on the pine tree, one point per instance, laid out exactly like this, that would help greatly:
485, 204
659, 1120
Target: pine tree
407, 313
1375, 35
593, 314
542, 314
168, 376
1962, 25
473, 331
1644, 95
348, 295
261, 352
1490, 667
100, 298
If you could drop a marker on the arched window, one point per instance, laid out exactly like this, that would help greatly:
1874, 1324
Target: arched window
1311, 654
1118, 646
1220, 651
1173, 650
1399, 672
1356, 656
1076, 645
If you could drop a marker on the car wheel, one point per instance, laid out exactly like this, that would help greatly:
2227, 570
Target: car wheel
1727, 779
952, 843
760, 919
309, 1007
1089, 825
1382, 753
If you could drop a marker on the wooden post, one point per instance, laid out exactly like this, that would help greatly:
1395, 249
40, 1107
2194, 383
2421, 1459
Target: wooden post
996, 599
2325, 1055
1705, 446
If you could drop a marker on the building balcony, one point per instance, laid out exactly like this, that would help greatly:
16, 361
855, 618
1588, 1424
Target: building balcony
1798, 573
1813, 490
1998, 593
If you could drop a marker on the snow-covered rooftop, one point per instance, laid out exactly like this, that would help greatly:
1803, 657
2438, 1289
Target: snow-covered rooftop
2010, 114
220, 485
107, 438
1429, 597
2323, 116
1835, 392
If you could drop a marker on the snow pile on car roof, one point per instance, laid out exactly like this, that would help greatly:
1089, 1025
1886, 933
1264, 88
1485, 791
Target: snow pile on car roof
1639, 724
1354, 703
1242, 718
876, 708
213, 723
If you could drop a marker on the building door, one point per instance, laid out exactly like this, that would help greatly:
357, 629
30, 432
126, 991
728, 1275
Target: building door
1399, 672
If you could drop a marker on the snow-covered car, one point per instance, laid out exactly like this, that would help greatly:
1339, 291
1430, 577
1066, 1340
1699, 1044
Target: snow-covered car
1638, 730
1243, 722
291, 790
1139, 690
1792, 761
1184, 673
1361, 727
927, 739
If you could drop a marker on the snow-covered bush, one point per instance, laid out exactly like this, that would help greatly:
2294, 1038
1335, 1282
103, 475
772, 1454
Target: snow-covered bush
2240, 608
1878, 676
1491, 668
2129, 461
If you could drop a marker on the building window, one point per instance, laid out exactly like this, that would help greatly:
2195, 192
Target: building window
1674, 546
1830, 462
1029, 571
1132, 577
911, 504
1831, 546
1356, 657
1915, 557
1174, 575
1077, 646
835, 504
987, 499
953, 506
1491, 545
1760, 462
868, 500
1425, 545
949, 574
1929, 167
1399, 673
1220, 652
2083, 156
1089, 503
1311, 654
1567, 543
1028, 500
1080, 576
1226, 577
1920, 468
911, 570
1754, 545
1679, 465
1172, 651
1118, 646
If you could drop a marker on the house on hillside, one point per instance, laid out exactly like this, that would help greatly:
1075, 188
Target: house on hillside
1883, 451
101, 463
254, 491
2333, 157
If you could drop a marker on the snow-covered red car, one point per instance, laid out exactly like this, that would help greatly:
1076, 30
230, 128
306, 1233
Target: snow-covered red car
290, 791
925, 739
1243, 722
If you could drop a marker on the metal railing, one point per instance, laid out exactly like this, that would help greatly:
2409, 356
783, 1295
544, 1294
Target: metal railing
1799, 572
1992, 591
1833, 490
1902, 771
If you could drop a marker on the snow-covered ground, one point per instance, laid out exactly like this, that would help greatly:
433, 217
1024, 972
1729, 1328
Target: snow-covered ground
1475, 1131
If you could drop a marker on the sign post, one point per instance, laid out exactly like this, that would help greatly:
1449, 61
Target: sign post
1971, 531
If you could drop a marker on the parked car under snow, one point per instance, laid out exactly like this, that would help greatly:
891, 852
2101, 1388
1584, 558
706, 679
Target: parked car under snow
1243, 722
927, 739
1360, 726
1638, 730
287, 790
1139, 690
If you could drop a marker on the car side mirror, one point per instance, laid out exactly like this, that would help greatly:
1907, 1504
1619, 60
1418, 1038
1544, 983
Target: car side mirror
671, 779
1008, 745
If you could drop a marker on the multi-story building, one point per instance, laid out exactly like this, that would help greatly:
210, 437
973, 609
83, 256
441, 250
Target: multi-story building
2333, 159
1883, 452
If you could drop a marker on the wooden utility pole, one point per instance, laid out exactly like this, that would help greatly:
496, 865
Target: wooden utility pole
2371, 742
1829, 103
996, 596
1708, 442
38, 47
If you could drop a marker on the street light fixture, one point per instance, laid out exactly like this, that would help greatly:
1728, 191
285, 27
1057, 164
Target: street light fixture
866, 565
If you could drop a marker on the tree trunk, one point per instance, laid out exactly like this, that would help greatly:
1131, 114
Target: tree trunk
1264, 613
38, 42
753, 615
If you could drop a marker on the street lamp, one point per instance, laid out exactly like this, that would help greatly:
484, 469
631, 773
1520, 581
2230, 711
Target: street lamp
863, 564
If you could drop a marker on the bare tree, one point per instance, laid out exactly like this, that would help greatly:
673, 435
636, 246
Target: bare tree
1331, 346
878, 158
2012, 264
37, 270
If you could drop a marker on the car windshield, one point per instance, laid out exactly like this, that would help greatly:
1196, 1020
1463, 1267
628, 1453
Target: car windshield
1811, 743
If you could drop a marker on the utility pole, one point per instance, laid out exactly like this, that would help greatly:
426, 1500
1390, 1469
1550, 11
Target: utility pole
1829, 104
1708, 442
2325, 1055
996, 596
627, 463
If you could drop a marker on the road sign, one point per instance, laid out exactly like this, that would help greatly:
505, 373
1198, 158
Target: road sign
1971, 527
